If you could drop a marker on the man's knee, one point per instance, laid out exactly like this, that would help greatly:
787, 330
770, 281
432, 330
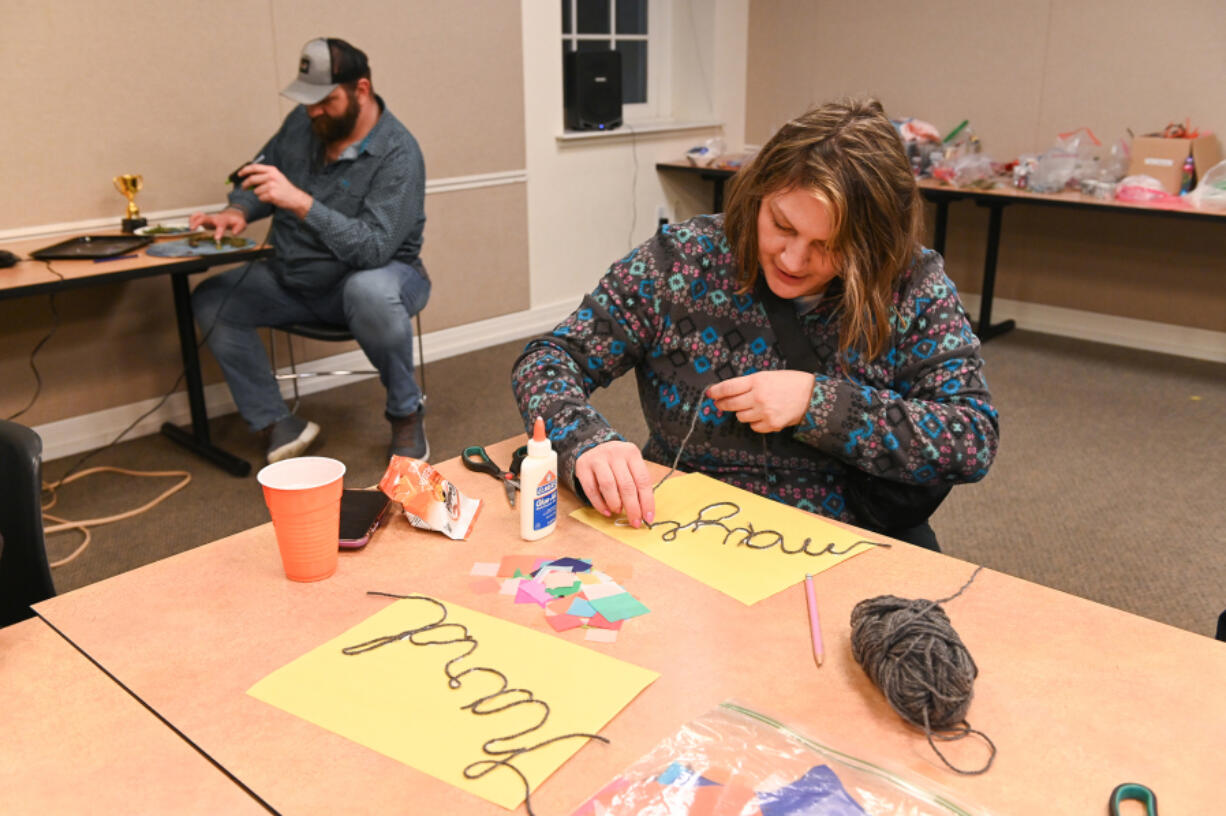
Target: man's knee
368, 295
374, 296
206, 298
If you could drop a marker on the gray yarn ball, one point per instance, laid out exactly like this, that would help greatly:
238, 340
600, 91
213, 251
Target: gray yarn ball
910, 651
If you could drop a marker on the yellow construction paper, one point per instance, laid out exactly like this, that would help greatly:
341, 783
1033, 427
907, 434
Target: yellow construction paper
396, 698
733, 540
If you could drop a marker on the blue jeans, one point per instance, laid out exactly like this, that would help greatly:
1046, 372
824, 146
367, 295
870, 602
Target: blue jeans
377, 305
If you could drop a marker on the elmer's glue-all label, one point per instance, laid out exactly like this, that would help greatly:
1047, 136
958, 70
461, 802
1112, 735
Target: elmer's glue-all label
538, 487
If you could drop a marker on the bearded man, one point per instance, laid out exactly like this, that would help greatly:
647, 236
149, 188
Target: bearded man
344, 182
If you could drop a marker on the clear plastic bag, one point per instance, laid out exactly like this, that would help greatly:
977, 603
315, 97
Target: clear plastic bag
964, 169
1115, 166
736, 762
961, 160
922, 142
972, 168
707, 153
1210, 193
1069, 161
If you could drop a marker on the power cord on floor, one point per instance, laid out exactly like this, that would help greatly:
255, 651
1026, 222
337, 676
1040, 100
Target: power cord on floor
83, 526
72, 474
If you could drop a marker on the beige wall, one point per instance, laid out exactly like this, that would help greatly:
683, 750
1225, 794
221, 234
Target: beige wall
184, 92
1022, 72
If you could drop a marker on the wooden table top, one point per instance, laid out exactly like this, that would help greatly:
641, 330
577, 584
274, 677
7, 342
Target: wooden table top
1007, 193
75, 742
1078, 697
1004, 191
35, 275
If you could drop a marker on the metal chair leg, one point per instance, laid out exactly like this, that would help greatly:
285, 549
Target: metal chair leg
272, 358
314, 332
293, 368
421, 359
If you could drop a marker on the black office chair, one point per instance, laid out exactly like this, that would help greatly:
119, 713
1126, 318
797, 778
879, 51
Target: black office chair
335, 334
25, 577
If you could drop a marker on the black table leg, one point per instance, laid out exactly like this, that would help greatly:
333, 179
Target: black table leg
938, 229
198, 440
719, 194
987, 330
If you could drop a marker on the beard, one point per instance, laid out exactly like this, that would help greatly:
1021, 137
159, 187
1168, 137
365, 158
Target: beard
331, 129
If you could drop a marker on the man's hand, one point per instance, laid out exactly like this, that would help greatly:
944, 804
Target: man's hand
272, 187
767, 400
615, 479
229, 219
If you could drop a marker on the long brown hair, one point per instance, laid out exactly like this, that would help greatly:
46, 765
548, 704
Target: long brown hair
851, 157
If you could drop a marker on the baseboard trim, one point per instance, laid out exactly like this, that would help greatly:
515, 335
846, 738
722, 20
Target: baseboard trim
76, 434
1148, 335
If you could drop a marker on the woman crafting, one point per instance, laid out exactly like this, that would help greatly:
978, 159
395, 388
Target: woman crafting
803, 346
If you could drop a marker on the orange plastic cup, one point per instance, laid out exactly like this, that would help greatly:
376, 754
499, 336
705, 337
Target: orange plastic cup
304, 500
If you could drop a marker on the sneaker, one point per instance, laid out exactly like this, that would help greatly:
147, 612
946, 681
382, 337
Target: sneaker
409, 436
289, 437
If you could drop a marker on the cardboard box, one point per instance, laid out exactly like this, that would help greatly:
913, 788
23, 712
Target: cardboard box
1163, 158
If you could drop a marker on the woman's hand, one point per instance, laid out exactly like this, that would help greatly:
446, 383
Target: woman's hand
615, 479
766, 400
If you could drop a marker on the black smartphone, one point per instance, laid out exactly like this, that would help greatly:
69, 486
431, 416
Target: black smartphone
234, 178
361, 512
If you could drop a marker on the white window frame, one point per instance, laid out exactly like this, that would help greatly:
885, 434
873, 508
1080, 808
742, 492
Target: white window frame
659, 63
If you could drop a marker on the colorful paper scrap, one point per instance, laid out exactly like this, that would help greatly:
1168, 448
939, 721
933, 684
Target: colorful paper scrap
571, 591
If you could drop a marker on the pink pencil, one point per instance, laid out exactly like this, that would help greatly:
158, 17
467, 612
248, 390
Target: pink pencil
815, 623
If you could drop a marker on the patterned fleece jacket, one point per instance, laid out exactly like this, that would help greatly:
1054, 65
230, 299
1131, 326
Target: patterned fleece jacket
920, 413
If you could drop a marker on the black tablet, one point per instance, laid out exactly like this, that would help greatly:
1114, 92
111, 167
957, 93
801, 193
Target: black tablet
91, 246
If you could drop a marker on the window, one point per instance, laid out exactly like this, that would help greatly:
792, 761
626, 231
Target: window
625, 26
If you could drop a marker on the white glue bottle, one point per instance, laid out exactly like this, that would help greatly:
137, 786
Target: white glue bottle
538, 487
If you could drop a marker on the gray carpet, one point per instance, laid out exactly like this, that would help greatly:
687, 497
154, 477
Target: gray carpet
1107, 485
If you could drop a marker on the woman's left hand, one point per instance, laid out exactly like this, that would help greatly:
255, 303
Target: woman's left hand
766, 400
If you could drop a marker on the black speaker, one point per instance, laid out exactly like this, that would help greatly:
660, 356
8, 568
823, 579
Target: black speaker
593, 89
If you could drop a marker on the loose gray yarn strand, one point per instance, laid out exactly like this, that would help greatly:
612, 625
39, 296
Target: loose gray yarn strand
680, 450
685, 441
910, 651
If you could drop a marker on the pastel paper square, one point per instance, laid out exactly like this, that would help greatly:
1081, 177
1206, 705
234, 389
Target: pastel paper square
600, 635
602, 590
581, 608
619, 607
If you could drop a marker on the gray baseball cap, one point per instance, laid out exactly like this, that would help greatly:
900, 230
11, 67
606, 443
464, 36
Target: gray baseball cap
325, 63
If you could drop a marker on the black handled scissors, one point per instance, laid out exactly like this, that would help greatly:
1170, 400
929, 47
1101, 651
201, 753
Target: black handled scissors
476, 459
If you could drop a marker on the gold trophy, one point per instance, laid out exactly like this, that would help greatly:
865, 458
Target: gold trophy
128, 185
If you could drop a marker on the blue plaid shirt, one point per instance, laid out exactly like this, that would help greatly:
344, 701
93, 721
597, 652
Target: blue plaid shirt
369, 204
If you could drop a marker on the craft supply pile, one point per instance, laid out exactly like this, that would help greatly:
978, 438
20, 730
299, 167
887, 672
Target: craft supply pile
571, 593
419, 656
1178, 166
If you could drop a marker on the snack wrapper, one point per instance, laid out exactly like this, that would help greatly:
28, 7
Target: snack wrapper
430, 502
